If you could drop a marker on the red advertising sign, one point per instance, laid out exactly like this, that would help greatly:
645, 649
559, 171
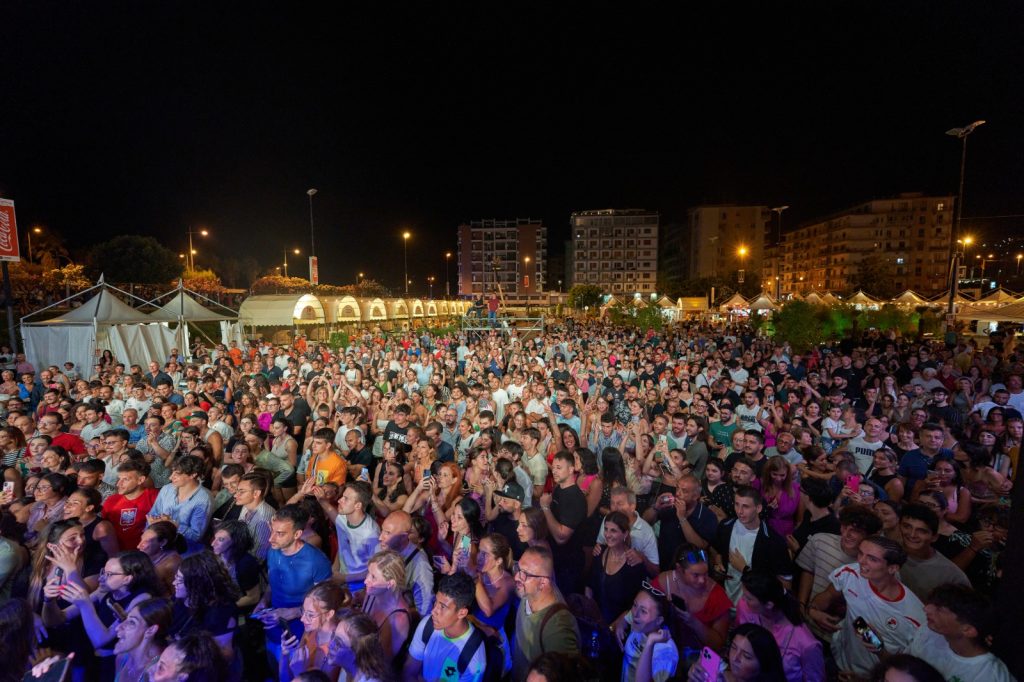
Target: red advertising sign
8, 232
314, 271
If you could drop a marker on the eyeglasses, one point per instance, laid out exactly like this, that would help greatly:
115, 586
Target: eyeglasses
43, 488
517, 570
104, 572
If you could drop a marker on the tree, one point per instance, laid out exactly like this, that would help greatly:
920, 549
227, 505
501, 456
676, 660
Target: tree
639, 314
134, 258
874, 277
583, 295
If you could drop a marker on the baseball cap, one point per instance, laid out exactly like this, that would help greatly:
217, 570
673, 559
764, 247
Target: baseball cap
513, 491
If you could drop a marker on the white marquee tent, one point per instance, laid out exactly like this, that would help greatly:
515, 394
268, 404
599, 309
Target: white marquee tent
182, 308
103, 322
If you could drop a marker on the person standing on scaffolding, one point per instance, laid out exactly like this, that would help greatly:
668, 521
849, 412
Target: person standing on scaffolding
492, 310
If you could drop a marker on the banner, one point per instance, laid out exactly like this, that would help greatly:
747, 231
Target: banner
314, 271
8, 232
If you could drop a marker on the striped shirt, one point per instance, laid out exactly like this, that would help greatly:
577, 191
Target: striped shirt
258, 521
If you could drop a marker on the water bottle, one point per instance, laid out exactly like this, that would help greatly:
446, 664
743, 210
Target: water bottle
594, 649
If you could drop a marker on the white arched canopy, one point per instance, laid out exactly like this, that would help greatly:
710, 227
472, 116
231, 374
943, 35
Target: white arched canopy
431, 309
281, 310
442, 307
373, 309
347, 309
415, 307
398, 309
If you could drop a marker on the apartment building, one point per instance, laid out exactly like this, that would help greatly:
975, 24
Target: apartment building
615, 249
725, 239
512, 253
905, 238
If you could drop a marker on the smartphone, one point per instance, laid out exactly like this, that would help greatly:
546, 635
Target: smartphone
283, 625
58, 672
667, 498
854, 483
678, 602
710, 662
59, 572
426, 473
666, 467
9, 487
118, 610
866, 633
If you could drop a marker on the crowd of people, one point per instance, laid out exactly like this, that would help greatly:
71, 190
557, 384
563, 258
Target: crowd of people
593, 502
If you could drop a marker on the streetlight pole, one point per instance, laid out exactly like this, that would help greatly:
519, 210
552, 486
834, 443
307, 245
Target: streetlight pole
296, 252
526, 278
742, 253
954, 257
779, 210
447, 283
1019, 256
430, 283
405, 259
37, 230
191, 260
312, 236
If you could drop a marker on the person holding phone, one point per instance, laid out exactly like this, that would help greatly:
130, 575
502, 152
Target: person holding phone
753, 657
649, 653
321, 610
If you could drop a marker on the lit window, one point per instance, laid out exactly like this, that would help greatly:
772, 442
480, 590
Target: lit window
899, 261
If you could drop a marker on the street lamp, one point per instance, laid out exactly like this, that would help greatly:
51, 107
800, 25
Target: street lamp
742, 253
1019, 256
359, 279
779, 210
526, 277
312, 237
37, 230
447, 287
430, 283
191, 261
296, 252
983, 261
405, 258
954, 255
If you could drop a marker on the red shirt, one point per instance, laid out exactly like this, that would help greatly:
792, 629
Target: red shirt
129, 516
71, 443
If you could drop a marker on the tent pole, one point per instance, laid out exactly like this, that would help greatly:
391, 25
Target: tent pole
10, 308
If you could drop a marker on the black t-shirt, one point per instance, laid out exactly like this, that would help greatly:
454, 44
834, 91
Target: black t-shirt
396, 433
299, 414
569, 507
363, 457
505, 524
826, 524
671, 535
247, 572
214, 619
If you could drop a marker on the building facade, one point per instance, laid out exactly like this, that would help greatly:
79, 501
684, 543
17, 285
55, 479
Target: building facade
615, 249
904, 239
725, 239
509, 253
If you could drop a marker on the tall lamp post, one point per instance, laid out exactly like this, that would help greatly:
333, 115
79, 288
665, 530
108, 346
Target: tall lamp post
296, 252
405, 259
430, 284
779, 210
36, 230
742, 253
955, 254
191, 260
447, 286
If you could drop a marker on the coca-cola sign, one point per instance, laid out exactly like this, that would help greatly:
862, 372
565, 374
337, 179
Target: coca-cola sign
8, 232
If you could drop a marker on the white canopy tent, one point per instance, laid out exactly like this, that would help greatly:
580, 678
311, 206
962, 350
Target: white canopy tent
183, 309
103, 322
281, 310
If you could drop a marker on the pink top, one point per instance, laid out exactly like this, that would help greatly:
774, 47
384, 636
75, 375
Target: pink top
584, 481
802, 657
780, 510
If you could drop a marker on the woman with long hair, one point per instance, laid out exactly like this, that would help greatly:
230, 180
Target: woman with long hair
63, 548
126, 580
613, 581
466, 530
613, 475
141, 638
50, 494
321, 609
705, 620
781, 495
766, 603
532, 528
205, 599
388, 603
715, 491
163, 545
284, 446
16, 639
883, 473
86, 504
357, 650
753, 657
494, 583
232, 545
944, 476
390, 494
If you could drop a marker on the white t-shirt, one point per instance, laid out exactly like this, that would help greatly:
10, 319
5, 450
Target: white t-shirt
748, 416
863, 452
742, 539
895, 622
933, 647
440, 656
537, 467
356, 544
664, 659
500, 398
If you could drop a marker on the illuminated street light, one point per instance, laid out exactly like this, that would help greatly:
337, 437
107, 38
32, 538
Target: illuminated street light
190, 262
296, 252
36, 230
405, 258
1019, 256
447, 260
742, 253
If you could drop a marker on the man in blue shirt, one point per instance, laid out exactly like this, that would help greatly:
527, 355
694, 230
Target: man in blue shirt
185, 502
293, 567
915, 463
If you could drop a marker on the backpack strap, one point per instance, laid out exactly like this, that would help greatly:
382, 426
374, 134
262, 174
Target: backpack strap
428, 630
473, 644
552, 610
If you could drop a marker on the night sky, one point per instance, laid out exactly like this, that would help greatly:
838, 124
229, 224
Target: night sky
148, 117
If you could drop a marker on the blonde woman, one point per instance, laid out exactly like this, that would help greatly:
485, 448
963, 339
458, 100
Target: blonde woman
387, 602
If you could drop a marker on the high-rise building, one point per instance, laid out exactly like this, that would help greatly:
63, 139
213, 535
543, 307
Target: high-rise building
725, 239
904, 240
673, 255
512, 253
615, 249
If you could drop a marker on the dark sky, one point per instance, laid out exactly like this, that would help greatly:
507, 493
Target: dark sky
148, 117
